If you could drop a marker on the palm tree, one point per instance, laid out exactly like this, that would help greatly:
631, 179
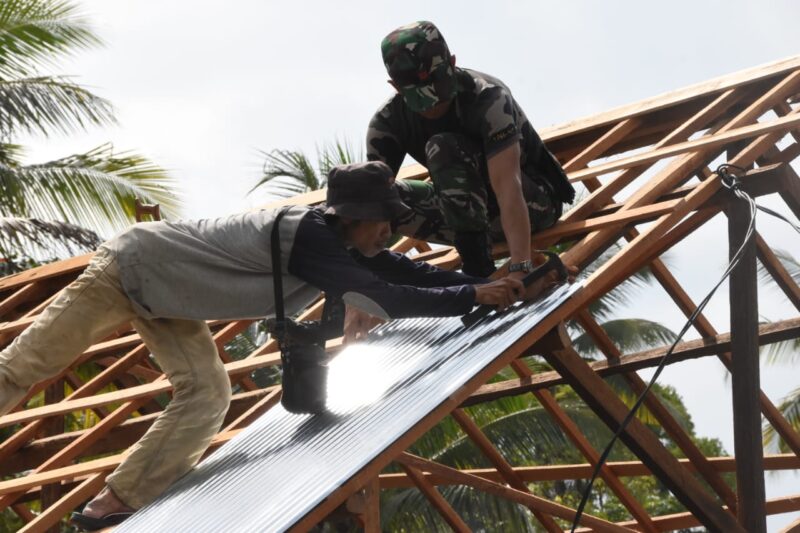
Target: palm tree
287, 173
787, 352
57, 207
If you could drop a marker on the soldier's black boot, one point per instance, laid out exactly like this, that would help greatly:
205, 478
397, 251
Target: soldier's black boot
475, 249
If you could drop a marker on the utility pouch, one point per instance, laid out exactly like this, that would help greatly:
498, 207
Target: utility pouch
303, 360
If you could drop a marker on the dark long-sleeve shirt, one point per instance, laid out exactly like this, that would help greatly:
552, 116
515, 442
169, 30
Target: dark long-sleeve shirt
389, 284
223, 269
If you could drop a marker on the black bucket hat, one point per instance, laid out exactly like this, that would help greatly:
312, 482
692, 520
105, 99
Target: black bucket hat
364, 191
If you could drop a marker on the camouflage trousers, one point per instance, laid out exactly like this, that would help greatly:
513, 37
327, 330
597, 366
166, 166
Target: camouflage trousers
459, 199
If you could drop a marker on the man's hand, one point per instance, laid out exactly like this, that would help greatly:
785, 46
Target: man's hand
551, 279
500, 293
357, 324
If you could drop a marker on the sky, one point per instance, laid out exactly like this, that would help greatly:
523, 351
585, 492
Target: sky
203, 87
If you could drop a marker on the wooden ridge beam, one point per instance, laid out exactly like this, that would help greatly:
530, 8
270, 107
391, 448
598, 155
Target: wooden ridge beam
672, 98
672, 176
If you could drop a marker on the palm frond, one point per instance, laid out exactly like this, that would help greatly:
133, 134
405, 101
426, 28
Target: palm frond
35, 33
790, 408
38, 239
39, 105
409, 511
286, 173
629, 334
94, 189
790, 263
604, 307
784, 352
339, 152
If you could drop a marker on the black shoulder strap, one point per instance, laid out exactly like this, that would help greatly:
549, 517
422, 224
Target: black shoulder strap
277, 267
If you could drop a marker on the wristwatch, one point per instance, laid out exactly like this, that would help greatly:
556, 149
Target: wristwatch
524, 266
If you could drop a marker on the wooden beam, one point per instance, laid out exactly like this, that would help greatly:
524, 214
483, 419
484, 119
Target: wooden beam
672, 98
506, 492
118, 439
659, 411
133, 393
568, 472
53, 515
50, 270
602, 194
579, 440
745, 372
495, 457
603, 143
436, 499
106, 464
767, 334
784, 504
641, 441
783, 124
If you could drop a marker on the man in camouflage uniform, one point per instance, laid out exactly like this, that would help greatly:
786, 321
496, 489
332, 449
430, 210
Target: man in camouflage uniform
492, 178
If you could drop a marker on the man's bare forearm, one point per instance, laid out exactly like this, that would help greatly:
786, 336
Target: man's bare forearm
506, 180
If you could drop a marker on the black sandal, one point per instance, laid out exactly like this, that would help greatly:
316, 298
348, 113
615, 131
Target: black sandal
88, 523
553, 263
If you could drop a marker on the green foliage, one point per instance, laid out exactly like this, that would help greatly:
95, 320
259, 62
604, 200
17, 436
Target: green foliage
629, 334
786, 353
36, 34
55, 208
287, 173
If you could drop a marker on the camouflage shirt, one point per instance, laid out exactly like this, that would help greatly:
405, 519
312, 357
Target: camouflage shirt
484, 111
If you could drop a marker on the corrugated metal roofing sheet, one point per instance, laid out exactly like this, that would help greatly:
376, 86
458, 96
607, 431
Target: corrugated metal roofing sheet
283, 465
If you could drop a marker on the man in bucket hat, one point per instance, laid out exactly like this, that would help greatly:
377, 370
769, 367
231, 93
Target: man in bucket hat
492, 178
168, 278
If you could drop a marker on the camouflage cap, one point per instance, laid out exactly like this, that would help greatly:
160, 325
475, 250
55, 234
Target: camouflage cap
419, 63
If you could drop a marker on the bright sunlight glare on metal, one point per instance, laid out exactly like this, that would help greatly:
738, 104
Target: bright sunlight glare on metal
358, 377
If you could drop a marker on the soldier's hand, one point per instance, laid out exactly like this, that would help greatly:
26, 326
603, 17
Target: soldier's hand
357, 324
500, 293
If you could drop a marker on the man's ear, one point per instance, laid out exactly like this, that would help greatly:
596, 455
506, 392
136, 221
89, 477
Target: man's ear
393, 84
